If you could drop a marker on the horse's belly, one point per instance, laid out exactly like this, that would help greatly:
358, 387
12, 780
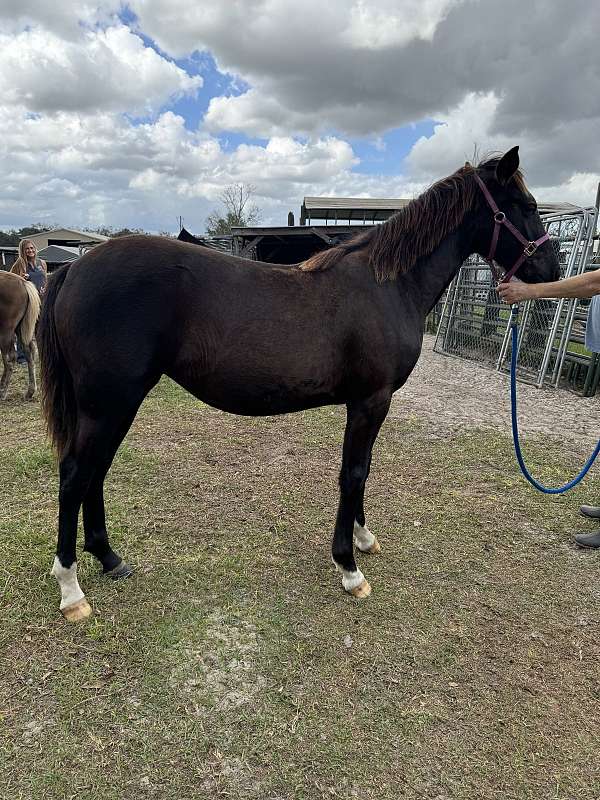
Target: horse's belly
261, 398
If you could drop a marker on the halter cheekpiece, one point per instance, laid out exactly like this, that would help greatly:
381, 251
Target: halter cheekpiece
500, 218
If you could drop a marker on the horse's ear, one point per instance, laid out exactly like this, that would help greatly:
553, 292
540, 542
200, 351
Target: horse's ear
507, 166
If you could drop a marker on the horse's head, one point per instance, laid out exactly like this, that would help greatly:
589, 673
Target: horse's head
508, 227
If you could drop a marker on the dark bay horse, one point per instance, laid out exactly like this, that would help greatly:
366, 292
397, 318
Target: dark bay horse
344, 327
19, 312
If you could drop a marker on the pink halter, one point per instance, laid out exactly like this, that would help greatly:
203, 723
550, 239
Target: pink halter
500, 219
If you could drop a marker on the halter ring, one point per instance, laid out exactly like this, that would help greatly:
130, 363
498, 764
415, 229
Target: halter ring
500, 216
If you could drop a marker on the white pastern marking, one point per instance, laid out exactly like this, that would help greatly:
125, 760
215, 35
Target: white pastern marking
350, 580
69, 585
363, 538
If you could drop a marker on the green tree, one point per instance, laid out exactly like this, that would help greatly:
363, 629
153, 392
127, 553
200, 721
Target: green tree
238, 211
13, 237
114, 233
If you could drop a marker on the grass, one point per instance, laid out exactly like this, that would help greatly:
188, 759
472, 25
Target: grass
577, 349
232, 665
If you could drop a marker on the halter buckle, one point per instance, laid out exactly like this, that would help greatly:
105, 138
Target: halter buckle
499, 217
530, 249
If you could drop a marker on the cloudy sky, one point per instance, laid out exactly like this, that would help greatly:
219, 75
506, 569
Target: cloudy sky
135, 113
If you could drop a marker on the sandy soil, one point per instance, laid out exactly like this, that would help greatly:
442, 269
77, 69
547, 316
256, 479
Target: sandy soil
453, 394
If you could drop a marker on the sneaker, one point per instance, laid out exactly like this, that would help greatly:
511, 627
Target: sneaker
590, 511
588, 539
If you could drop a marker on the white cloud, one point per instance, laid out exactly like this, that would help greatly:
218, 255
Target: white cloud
311, 67
74, 74
367, 66
580, 188
96, 169
389, 23
252, 113
550, 164
104, 69
64, 17
456, 136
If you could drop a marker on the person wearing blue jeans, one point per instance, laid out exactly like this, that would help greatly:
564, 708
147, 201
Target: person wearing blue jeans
585, 285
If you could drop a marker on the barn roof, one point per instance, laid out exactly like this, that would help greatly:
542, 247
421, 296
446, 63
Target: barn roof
546, 209
358, 209
53, 254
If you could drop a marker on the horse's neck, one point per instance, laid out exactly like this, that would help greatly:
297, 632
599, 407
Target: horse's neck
433, 273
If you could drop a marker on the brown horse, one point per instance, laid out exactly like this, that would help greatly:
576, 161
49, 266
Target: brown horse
345, 327
19, 311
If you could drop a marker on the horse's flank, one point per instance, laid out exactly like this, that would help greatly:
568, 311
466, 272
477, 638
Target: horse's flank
19, 305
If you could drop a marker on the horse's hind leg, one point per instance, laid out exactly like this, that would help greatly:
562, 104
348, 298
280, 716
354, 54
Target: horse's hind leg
9, 359
94, 517
92, 449
96, 536
363, 424
30, 351
76, 472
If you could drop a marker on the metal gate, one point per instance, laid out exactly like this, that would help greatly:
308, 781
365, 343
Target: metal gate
475, 322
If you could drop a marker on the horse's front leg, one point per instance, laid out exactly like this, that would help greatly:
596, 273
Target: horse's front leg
363, 423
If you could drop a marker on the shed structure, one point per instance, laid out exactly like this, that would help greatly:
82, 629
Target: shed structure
349, 210
324, 222
66, 237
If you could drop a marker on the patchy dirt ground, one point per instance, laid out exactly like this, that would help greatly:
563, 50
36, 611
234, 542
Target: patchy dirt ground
232, 665
456, 395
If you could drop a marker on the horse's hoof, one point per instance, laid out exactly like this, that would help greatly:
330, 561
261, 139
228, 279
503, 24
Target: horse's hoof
122, 570
362, 591
78, 611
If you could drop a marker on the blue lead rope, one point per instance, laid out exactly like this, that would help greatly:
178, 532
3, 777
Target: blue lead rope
515, 429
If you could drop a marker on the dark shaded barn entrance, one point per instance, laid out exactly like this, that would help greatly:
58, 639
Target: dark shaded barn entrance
339, 218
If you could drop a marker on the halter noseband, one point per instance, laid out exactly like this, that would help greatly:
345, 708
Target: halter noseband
529, 248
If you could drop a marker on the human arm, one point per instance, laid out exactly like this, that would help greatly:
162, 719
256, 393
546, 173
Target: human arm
584, 285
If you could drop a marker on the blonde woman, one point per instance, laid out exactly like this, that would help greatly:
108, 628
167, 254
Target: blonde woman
29, 266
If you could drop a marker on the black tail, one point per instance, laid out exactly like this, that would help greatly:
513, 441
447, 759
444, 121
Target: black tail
58, 398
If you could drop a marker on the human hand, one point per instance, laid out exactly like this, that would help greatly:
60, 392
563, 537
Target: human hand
515, 291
